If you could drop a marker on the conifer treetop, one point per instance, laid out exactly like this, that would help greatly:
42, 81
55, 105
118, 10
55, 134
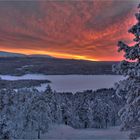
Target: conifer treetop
132, 52
135, 29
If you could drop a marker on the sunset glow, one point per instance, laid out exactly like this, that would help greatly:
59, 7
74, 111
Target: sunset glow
87, 30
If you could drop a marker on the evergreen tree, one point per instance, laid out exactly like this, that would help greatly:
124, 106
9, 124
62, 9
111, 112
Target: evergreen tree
38, 115
129, 88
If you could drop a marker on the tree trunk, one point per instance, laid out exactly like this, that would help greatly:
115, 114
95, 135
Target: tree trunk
106, 123
114, 121
38, 136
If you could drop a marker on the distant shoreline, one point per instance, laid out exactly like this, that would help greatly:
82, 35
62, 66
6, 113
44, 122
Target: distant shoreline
16, 84
54, 74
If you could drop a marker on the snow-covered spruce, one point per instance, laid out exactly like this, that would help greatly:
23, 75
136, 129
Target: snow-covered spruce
129, 89
27, 114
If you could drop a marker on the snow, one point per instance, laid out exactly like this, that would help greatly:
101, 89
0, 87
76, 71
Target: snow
62, 132
71, 83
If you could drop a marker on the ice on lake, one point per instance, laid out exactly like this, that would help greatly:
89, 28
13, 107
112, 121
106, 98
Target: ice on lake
71, 83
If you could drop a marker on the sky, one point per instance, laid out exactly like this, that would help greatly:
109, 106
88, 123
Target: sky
76, 29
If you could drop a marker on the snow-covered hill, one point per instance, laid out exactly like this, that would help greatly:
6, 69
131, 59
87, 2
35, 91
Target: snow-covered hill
10, 54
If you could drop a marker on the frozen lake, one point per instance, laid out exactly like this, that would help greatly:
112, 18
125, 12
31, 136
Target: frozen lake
71, 83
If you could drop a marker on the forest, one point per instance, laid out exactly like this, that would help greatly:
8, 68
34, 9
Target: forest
53, 66
28, 110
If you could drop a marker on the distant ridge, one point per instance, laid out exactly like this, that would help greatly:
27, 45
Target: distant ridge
40, 55
53, 66
9, 54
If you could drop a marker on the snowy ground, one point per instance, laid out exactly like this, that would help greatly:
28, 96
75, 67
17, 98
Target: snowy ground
63, 132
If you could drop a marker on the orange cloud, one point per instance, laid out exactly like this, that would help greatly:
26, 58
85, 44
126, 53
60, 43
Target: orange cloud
67, 29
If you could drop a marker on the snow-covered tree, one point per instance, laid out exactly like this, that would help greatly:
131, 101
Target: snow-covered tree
6, 113
27, 113
38, 115
65, 104
129, 89
96, 109
52, 99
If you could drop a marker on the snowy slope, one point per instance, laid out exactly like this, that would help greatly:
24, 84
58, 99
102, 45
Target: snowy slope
9, 54
63, 132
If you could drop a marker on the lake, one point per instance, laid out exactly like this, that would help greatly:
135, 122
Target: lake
71, 83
